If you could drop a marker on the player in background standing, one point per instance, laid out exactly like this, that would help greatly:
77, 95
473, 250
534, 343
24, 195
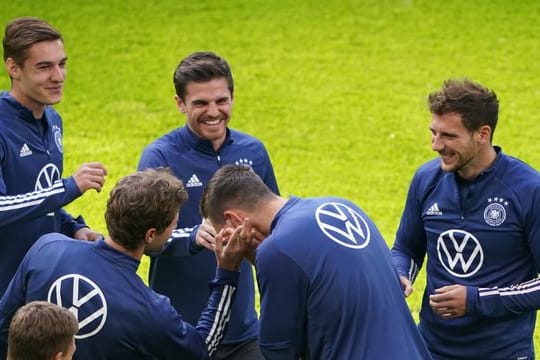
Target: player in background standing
32, 191
475, 213
204, 93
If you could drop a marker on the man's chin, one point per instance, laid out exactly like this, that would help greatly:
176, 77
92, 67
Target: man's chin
447, 167
54, 100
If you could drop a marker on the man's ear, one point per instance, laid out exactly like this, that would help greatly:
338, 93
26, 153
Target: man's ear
180, 104
12, 68
484, 134
234, 218
149, 236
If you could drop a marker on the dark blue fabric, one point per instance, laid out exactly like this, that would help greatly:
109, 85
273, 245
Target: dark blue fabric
130, 321
183, 269
328, 287
490, 239
31, 189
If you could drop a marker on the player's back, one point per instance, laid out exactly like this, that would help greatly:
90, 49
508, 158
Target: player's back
355, 307
119, 317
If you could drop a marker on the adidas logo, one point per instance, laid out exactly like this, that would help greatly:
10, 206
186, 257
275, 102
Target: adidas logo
434, 210
194, 181
25, 151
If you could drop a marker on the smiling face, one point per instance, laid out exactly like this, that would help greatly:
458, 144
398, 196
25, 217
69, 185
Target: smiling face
39, 81
459, 149
208, 108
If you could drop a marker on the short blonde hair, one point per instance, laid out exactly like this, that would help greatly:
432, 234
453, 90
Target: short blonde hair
39, 330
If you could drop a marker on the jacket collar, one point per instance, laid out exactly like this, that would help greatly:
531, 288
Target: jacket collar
116, 256
289, 204
203, 145
25, 113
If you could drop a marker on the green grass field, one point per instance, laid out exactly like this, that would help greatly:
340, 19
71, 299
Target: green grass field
335, 89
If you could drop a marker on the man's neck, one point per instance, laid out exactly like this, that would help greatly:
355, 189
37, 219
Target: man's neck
482, 161
270, 210
36, 109
136, 254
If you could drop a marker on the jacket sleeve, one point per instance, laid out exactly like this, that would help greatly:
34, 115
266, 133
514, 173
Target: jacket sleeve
37, 203
181, 243
504, 301
517, 298
283, 317
184, 341
70, 225
410, 244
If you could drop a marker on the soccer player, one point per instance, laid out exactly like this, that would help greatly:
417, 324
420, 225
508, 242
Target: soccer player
204, 93
32, 191
42, 331
119, 316
328, 287
474, 212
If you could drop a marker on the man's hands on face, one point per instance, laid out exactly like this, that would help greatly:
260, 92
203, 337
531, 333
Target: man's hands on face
206, 236
233, 244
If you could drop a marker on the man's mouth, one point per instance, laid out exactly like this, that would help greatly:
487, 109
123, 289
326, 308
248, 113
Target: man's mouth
212, 122
446, 156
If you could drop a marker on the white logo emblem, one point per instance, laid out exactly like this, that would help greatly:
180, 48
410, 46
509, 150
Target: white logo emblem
84, 299
47, 176
194, 181
25, 151
460, 253
434, 210
495, 213
244, 161
343, 225
58, 138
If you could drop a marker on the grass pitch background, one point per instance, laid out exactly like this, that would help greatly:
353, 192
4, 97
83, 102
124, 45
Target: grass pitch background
335, 89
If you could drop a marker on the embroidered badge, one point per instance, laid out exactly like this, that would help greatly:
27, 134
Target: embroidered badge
495, 212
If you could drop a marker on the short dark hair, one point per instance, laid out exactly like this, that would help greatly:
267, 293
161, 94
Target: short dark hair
141, 201
477, 105
199, 67
232, 186
39, 330
22, 33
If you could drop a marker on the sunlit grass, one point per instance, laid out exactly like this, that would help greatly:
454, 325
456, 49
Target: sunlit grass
335, 89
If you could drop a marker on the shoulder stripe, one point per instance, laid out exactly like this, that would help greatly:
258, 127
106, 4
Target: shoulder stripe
180, 233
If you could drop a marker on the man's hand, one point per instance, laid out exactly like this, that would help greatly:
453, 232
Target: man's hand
449, 301
206, 236
88, 234
90, 176
406, 285
232, 245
